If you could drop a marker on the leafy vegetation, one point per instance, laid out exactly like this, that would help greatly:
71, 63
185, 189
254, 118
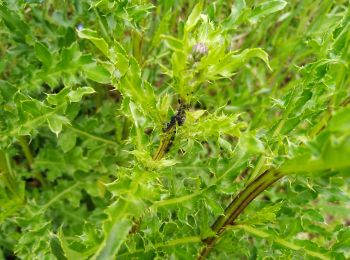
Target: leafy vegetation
174, 129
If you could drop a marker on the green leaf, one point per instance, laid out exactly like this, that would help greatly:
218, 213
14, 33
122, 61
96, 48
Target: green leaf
32, 107
231, 62
172, 42
314, 215
201, 127
340, 121
251, 144
266, 8
43, 54
56, 248
77, 94
14, 22
238, 12
71, 58
343, 242
68, 252
267, 214
257, 53
59, 98
122, 65
98, 73
225, 144
194, 17
55, 123
115, 239
329, 151
67, 140
92, 36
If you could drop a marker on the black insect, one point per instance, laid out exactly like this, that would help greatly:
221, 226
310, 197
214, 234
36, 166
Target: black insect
178, 118
170, 125
170, 128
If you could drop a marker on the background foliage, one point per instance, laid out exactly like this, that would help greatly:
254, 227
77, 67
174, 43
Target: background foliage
86, 91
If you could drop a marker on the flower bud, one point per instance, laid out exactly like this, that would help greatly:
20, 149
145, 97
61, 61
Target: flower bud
199, 50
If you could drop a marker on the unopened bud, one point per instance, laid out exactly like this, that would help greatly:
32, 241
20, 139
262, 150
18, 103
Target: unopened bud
199, 50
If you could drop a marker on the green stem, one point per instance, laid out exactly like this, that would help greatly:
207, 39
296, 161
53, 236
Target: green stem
59, 195
25, 148
169, 132
137, 46
28, 155
30, 123
7, 174
260, 163
236, 207
280, 241
326, 117
103, 26
126, 129
174, 242
95, 137
177, 200
262, 158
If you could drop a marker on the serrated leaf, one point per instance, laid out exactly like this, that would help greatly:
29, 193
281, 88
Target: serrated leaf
43, 54
194, 17
55, 123
71, 57
202, 127
267, 214
97, 73
225, 144
329, 151
114, 240
59, 98
257, 53
68, 252
343, 242
92, 36
313, 215
56, 248
67, 141
77, 94
340, 121
265, 8
172, 42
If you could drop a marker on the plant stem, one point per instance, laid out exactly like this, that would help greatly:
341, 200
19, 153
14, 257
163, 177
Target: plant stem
262, 158
91, 136
169, 132
174, 242
137, 46
59, 195
103, 26
25, 148
236, 207
28, 155
280, 241
7, 174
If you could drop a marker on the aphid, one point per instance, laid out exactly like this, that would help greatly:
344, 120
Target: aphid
169, 125
180, 119
170, 131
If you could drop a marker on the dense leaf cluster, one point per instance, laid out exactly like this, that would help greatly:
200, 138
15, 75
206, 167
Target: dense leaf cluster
148, 129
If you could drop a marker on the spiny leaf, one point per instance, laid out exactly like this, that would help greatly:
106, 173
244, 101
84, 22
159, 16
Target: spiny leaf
265, 8
194, 17
76, 95
92, 36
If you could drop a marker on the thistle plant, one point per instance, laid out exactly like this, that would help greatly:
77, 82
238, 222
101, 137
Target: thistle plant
174, 129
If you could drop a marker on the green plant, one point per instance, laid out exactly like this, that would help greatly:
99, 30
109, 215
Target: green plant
141, 130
